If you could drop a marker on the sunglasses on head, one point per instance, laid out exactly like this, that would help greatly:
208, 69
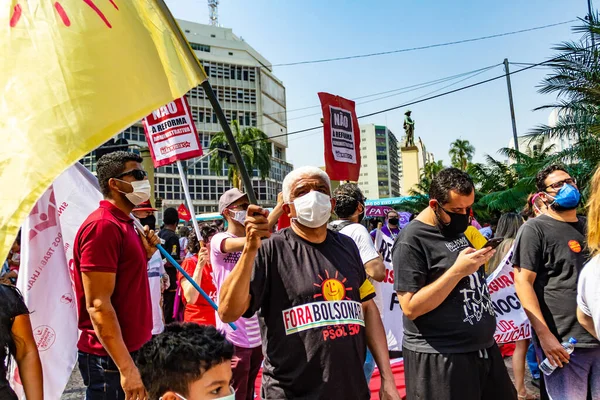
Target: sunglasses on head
138, 174
559, 184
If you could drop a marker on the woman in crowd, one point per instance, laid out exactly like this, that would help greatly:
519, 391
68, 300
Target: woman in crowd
588, 287
16, 340
508, 226
198, 266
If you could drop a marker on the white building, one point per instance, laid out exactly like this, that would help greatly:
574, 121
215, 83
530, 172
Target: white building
381, 166
248, 91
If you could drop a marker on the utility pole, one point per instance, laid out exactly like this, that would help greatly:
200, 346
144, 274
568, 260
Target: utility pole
512, 106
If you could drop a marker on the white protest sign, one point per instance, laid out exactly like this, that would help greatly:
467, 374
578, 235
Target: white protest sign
511, 321
45, 276
386, 297
171, 133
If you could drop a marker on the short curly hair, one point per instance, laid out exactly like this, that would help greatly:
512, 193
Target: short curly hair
176, 358
347, 198
447, 180
111, 165
540, 178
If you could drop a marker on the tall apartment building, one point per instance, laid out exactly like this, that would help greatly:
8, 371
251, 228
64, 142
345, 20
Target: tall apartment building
381, 166
249, 93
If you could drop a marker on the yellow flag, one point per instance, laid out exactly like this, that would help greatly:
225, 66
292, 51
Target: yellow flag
73, 73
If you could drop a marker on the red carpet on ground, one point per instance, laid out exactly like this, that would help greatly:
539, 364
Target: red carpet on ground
397, 369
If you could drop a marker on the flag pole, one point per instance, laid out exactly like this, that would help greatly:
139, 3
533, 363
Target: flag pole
188, 198
187, 276
212, 97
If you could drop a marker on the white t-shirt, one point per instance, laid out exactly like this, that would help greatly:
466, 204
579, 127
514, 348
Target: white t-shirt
367, 250
362, 238
588, 291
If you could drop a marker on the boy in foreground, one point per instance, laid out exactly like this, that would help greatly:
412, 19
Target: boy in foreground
187, 362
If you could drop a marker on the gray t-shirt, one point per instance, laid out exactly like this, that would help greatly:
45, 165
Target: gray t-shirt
465, 321
556, 252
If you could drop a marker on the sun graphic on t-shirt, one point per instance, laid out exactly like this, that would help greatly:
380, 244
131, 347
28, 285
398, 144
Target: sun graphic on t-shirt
62, 12
332, 288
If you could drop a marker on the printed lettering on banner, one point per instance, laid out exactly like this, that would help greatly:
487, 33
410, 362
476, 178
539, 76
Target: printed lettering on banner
511, 321
45, 276
386, 297
171, 133
342, 137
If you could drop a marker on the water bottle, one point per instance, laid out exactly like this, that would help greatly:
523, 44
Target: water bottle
546, 367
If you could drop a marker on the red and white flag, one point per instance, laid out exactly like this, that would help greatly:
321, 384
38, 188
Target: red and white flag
45, 276
184, 213
171, 133
342, 138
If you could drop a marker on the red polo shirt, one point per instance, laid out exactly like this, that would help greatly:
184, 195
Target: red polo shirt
108, 242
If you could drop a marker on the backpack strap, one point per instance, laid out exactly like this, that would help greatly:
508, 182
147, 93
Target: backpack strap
340, 226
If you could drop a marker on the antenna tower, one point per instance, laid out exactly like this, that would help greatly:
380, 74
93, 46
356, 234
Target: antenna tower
213, 12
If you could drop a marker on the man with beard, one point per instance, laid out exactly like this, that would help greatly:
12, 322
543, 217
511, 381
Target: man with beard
548, 256
314, 301
449, 322
111, 284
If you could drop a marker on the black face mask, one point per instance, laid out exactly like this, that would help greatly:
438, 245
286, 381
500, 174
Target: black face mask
150, 221
361, 216
458, 223
393, 221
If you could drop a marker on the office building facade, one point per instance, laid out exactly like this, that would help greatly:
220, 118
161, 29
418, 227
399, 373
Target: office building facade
381, 165
248, 92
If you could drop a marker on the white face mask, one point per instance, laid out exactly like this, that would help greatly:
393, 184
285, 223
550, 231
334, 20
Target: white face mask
141, 191
313, 209
239, 216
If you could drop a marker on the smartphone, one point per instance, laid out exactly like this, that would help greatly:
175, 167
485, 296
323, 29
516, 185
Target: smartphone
493, 243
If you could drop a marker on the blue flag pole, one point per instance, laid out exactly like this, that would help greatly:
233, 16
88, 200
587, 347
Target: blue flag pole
185, 274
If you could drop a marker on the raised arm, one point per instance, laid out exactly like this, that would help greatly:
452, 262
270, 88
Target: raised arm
234, 298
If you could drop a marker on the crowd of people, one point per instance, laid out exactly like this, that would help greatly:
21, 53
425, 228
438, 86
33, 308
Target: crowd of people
304, 302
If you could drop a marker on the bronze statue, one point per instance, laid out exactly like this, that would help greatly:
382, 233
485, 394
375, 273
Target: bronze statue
409, 128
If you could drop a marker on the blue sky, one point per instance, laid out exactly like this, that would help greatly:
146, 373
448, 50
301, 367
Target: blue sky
288, 31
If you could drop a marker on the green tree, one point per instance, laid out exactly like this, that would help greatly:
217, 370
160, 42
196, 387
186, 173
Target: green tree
420, 192
461, 153
576, 81
254, 146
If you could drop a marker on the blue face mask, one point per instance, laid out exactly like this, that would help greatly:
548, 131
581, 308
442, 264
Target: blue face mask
567, 198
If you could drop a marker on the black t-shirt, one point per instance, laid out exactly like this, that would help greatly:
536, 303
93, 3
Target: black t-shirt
172, 246
11, 305
308, 297
556, 252
465, 321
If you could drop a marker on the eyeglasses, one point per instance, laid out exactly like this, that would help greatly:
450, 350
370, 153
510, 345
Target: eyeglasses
138, 174
559, 184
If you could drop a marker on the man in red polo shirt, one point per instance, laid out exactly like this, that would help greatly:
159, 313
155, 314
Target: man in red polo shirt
113, 296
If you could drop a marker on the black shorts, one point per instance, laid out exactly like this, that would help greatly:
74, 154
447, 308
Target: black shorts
480, 375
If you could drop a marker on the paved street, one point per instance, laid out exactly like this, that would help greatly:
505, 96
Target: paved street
76, 390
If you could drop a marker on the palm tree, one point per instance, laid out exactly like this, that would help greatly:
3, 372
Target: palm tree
254, 146
576, 81
461, 153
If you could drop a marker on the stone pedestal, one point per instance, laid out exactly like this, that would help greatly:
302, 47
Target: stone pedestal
410, 168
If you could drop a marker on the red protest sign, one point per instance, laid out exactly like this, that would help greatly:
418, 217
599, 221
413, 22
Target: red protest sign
342, 138
184, 213
171, 133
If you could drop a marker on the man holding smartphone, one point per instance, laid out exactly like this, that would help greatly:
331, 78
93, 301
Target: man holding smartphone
449, 321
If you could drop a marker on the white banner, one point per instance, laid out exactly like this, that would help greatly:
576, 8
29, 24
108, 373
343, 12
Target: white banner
387, 299
45, 276
511, 321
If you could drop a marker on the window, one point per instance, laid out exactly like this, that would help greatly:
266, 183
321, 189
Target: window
200, 47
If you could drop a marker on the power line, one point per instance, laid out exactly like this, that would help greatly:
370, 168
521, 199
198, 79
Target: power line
410, 103
399, 91
423, 47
